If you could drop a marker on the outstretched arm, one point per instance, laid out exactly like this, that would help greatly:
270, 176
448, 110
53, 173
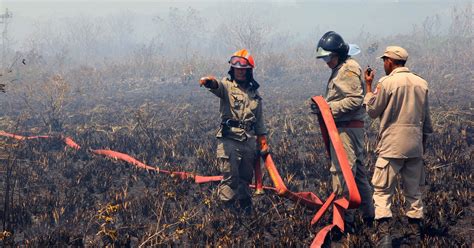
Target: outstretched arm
213, 85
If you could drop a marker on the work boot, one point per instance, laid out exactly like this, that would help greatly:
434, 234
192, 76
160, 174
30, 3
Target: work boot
414, 232
337, 237
349, 227
384, 238
246, 206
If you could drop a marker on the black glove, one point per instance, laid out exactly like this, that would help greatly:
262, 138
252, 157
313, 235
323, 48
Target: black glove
315, 109
208, 82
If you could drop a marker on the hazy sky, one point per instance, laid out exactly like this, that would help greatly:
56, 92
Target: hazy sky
380, 17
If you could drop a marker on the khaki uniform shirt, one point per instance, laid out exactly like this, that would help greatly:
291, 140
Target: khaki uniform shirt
401, 102
239, 104
345, 92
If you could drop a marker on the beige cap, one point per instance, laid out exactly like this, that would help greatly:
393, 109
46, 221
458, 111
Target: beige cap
395, 52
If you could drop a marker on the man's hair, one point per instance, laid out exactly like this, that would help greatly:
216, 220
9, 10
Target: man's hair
399, 62
396, 61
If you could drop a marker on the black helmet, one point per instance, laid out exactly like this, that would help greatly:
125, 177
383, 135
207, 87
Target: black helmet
331, 42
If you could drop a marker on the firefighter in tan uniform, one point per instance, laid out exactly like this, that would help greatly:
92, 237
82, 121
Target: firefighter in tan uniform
345, 95
400, 101
242, 129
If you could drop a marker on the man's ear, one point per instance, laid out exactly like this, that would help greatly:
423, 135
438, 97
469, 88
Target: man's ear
390, 62
337, 58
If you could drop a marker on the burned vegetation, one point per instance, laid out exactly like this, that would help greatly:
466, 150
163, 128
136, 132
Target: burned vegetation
52, 195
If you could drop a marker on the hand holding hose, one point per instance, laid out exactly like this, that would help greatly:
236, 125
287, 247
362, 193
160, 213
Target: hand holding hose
263, 145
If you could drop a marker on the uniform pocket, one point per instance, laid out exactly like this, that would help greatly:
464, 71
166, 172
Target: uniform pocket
380, 178
237, 101
222, 152
253, 104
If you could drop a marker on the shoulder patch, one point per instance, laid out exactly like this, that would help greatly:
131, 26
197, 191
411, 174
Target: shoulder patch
352, 66
350, 73
371, 101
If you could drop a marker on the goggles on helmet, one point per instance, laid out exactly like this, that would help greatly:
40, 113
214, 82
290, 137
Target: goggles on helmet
239, 62
321, 53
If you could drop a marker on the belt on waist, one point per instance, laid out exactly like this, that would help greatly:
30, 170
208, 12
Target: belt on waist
246, 125
350, 124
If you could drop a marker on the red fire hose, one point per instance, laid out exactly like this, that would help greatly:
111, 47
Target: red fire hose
309, 199
329, 129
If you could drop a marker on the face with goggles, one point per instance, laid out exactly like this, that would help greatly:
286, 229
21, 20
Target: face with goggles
240, 65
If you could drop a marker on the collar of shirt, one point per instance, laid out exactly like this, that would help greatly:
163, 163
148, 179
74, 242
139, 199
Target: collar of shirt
399, 69
341, 64
251, 86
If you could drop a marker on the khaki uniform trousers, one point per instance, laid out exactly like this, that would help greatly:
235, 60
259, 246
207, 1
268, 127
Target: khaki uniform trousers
353, 142
411, 171
236, 161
